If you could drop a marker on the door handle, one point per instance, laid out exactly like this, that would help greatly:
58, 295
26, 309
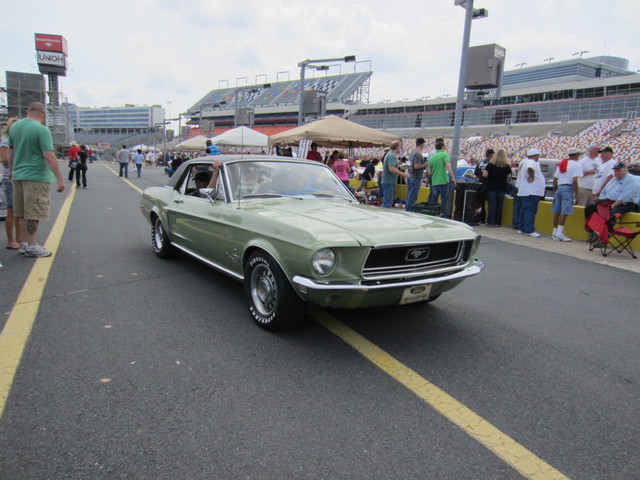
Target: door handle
177, 200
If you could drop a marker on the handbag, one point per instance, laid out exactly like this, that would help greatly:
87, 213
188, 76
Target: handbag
73, 164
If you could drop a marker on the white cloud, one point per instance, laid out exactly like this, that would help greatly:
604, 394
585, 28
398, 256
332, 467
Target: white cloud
155, 51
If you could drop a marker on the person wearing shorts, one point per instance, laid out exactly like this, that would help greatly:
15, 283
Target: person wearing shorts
33, 167
11, 227
565, 184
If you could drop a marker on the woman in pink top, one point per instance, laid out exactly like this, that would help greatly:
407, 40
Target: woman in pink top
341, 167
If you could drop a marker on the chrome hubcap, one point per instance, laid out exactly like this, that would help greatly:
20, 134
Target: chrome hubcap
263, 290
158, 234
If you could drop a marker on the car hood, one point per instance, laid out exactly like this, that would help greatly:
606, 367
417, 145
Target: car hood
338, 222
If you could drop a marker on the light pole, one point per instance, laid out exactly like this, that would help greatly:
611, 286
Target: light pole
309, 64
470, 14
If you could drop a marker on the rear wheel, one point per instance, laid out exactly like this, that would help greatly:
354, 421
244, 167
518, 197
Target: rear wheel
273, 303
162, 246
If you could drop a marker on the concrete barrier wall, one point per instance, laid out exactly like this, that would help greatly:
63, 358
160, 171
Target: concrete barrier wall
574, 225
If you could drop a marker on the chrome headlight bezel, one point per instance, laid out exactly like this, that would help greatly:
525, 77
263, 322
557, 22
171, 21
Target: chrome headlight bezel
324, 261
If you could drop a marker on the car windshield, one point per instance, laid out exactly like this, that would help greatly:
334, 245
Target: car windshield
267, 179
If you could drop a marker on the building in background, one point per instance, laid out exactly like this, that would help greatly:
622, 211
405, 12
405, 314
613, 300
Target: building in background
129, 124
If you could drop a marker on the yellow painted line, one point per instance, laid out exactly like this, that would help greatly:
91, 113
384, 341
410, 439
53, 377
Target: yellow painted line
117, 174
514, 454
16, 331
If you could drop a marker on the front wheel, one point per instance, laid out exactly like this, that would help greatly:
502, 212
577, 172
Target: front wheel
162, 246
273, 303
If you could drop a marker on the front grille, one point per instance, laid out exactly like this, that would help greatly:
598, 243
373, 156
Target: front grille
412, 259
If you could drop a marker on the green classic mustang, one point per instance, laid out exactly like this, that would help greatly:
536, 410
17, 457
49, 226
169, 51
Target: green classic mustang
293, 233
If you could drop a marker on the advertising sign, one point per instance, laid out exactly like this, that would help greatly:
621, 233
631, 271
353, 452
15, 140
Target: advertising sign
51, 43
56, 59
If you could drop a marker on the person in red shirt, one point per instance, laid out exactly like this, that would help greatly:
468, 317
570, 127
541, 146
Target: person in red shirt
73, 154
314, 154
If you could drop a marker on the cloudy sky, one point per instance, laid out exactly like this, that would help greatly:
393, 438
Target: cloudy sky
172, 52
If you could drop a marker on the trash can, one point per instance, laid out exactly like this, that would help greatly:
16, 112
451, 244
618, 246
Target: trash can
468, 204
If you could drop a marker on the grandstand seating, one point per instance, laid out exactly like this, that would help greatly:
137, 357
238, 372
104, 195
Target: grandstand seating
625, 141
336, 87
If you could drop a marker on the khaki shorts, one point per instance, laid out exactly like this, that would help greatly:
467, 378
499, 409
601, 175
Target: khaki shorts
585, 196
31, 200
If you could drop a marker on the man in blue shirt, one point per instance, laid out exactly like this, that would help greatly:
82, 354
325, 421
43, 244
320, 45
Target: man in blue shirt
621, 190
213, 149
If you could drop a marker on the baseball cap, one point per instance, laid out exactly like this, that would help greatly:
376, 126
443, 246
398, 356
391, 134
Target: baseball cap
606, 149
73, 143
573, 151
619, 165
533, 151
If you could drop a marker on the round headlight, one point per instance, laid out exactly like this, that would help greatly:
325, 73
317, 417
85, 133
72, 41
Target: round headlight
323, 261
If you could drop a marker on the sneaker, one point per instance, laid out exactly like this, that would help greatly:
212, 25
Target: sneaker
520, 232
532, 234
37, 251
555, 237
563, 238
23, 248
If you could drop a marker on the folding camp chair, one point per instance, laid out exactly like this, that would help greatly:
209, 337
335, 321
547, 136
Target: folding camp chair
608, 232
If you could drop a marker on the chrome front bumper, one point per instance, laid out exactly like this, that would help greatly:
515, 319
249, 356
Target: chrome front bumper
305, 284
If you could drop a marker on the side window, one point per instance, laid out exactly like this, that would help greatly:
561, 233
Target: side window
195, 178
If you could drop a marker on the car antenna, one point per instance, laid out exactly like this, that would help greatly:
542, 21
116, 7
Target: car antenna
241, 165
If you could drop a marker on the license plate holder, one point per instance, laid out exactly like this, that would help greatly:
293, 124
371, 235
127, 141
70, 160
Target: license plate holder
417, 293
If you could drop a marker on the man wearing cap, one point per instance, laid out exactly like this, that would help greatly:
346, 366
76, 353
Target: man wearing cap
590, 165
565, 186
530, 191
33, 167
622, 192
604, 174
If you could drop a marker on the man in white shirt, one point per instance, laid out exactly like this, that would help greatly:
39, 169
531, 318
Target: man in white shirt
604, 174
590, 165
565, 186
530, 191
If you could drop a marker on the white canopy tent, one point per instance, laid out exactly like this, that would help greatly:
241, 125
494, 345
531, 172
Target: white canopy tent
241, 137
193, 143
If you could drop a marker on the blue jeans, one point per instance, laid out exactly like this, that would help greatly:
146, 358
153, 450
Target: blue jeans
139, 167
388, 191
413, 187
528, 210
516, 209
124, 167
441, 191
495, 198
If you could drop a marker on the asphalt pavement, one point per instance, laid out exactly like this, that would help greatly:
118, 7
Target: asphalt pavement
141, 368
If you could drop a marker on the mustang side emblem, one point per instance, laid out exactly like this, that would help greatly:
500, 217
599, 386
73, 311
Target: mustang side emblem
416, 254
